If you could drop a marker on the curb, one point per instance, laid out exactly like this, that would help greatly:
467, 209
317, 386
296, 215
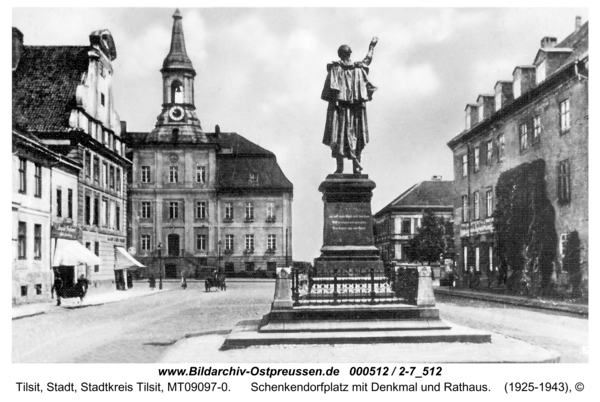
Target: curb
531, 303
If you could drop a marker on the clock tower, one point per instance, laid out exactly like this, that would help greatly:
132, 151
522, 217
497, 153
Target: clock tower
178, 118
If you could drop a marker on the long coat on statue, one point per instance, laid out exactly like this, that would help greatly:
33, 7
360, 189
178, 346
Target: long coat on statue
347, 89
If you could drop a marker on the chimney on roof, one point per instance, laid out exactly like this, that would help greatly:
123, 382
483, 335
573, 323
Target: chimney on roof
217, 129
577, 23
17, 47
548, 42
485, 106
436, 178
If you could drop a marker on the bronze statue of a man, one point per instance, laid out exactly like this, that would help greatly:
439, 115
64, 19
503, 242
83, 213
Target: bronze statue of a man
347, 89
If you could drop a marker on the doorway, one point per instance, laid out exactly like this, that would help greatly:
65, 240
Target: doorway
171, 271
173, 245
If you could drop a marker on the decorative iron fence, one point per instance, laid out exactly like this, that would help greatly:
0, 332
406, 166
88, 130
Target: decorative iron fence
349, 286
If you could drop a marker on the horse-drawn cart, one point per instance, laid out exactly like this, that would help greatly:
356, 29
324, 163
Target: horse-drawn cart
215, 281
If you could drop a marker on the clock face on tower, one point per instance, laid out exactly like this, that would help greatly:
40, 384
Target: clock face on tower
176, 113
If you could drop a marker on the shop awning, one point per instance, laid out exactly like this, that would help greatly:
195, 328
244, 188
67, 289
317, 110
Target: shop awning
71, 252
125, 260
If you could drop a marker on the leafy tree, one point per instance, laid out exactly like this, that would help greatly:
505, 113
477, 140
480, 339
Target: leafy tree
572, 262
435, 237
524, 225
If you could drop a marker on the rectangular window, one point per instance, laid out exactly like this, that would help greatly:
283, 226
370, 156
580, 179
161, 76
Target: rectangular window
465, 165
537, 130
489, 147
465, 208
173, 210
229, 267
38, 180
173, 174
229, 211
96, 211
465, 258
96, 169
249, 242
201, 242
22, 240
118, 217
112, 177
118, 177
564, 181
145, 242
501, 150
488, 203
491, 257
104, 175
201, 210
145, 174
523, 137
104, 215
97, 252
58, 202
272, 242
102, 99
38, 289
88, 164
249, 215
562, 245
229, 242
88, 210
111, 214
476, 205
69, 203
405, 229
565, 117
37, 241
249, 266
476, 159
146, 210
22, 175
253, 178
415, 225
271, 211
477, 259
200, 174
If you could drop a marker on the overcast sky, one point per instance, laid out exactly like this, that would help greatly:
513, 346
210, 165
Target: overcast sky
260, 73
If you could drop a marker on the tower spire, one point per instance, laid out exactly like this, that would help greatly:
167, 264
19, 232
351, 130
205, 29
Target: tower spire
177, 57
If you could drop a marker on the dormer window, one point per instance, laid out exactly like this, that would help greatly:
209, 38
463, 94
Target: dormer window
540, 74
253, 178
176, 92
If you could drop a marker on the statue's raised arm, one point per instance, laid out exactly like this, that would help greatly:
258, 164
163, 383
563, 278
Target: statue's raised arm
369, 56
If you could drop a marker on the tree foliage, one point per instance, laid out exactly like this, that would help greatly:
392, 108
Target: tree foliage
524, 226
572, 262
434, 237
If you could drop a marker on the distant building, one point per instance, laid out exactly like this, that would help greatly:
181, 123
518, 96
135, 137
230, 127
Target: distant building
198, 196
62, 97
400, 220
542, 113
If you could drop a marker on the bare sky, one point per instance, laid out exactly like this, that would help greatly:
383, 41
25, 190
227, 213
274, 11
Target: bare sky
261, 72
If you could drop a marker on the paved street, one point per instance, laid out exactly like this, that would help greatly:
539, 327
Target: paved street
140, 329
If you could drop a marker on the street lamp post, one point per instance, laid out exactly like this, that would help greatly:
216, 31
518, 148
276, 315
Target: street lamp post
219, 257
159, 266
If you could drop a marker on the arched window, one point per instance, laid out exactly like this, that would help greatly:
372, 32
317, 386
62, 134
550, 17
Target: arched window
177, 92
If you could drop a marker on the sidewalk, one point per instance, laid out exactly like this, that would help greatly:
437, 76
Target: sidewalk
91, 299
581, 309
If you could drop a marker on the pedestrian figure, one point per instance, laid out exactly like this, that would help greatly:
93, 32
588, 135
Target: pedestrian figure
57, 287
152, 281
183, 282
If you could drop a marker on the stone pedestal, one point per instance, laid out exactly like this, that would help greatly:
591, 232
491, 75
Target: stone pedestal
348, 225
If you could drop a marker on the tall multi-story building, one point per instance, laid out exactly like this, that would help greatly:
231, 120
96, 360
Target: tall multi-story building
400, 220
539, 115
198, 196
63, 96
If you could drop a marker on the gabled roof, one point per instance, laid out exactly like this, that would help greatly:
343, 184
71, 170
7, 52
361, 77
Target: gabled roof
424, 194
238, 144
44, 86
234, 173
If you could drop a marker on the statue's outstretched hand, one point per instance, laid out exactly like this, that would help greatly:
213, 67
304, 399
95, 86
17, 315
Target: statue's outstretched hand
373, 42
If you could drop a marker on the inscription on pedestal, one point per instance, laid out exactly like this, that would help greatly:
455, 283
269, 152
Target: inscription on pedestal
348, 224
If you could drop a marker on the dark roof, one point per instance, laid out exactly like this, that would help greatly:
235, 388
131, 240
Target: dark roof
44, 86
423, 194
234, 174
578, 41
238, 144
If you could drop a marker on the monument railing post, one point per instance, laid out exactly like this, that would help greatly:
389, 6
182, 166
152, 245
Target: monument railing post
335, 292
373, 285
